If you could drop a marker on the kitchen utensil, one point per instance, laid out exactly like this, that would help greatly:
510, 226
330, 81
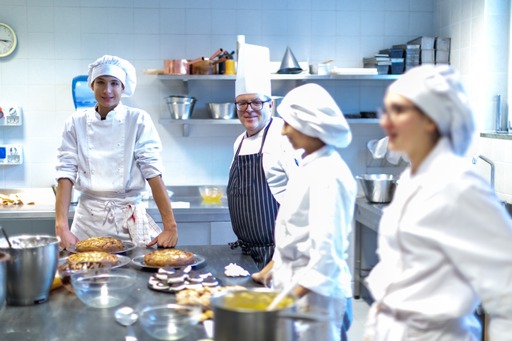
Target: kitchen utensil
204, 67
216, 54
103, 288
378, 188
289, 64
244, 313
126, 316
180, 107
31, 268
6, 236
176, 67
169, 321
223, 111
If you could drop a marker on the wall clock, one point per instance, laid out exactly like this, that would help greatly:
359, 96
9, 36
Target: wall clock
8, 40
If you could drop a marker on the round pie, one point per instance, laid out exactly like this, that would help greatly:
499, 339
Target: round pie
91, 259
171, 257
107, 244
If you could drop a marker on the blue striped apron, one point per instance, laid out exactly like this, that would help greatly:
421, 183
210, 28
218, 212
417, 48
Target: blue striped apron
252, 207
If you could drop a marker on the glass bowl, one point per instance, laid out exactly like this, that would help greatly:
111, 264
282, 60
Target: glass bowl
169, 321
211, 194
103, 288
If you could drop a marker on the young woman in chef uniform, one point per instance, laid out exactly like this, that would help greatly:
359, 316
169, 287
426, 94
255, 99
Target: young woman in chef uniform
108, 153
445, 240
315, 217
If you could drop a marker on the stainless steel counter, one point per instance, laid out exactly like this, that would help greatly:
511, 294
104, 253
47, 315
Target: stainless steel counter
367, 217
44, 208
65, 317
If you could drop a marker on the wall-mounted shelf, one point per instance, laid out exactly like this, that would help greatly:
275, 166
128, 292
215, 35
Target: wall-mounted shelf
303, 77
187, 123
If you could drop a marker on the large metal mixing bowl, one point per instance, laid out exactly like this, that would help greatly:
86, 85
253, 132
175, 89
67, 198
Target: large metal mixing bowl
224, 111
378, 188
180, 107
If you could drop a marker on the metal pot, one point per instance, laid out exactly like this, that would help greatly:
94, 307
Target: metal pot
224, 111
180, 107
176, 67
31, 268
378, 188
242, 314
4, 258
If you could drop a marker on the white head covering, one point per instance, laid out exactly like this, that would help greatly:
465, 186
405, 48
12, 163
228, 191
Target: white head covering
115, 67
253, 71
312, 111
437, 90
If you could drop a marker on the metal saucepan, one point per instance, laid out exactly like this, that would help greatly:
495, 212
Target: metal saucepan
243, 313
176, 67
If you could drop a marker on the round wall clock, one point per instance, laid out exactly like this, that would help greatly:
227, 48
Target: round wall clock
7, 40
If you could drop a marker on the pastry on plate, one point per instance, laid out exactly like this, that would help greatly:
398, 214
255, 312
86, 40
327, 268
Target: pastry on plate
107, 244
171, 257
91, 260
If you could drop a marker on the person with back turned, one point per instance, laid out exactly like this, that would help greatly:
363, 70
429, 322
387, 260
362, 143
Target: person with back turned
263, 162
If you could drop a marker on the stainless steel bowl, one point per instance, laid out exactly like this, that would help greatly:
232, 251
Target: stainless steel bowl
223, 111
180, 107
378, 188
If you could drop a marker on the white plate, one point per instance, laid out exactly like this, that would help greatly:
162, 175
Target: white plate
122, 261
127, 246
139, 261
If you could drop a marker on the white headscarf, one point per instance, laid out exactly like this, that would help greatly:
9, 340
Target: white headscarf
312, 111
253, 71
437, 90
115, 67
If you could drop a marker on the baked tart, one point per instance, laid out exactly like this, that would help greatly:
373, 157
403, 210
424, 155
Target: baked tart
91, 260
107, 244
171, 257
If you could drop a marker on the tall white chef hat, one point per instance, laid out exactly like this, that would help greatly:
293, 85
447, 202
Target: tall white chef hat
115, 67
437, 90
253, 71
312, 111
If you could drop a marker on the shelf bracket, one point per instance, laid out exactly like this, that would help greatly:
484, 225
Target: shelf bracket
185, 130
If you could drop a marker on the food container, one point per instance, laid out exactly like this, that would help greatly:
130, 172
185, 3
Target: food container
211, 194
203, 67
103, 288
180, 107
169, 321
223, 111
378, 188
31, 268
244, 313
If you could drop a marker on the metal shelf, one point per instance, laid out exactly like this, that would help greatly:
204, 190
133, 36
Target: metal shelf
296, 77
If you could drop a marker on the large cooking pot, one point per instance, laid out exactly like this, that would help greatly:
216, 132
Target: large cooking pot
176, 67
243, 315
4, 257
31, 268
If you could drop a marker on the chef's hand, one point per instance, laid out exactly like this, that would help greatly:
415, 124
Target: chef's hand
165, 239
265, 275
67, 238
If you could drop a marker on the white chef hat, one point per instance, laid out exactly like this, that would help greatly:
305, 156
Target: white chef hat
437, 90
312, 111
253, 70
115, 67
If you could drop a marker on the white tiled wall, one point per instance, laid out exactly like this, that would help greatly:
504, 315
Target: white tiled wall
480, 31
59, 38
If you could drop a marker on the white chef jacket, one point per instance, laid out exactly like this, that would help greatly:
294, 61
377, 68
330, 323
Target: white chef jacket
444, 245
279, 157
109, 161
312, 229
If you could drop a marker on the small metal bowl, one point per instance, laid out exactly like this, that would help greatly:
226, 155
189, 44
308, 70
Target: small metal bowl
222, 111
378, 188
